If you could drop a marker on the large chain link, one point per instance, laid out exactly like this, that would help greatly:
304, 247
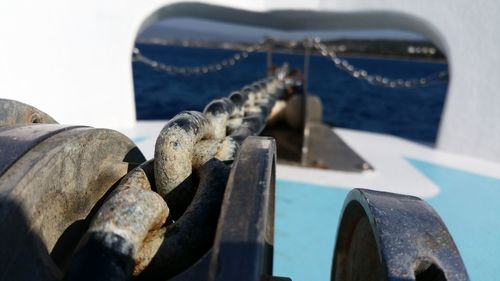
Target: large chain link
196, 70
136, 213
373, 79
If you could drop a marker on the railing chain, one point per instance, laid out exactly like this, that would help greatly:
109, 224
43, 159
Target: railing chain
374, 79
196, 70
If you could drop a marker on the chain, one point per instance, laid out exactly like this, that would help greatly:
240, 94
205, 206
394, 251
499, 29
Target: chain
196, 70
149, 221
323, 49
378, 80
217, 132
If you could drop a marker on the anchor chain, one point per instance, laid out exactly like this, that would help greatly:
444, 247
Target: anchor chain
191, 138
373, 79
153, 218
208, 218
196, 70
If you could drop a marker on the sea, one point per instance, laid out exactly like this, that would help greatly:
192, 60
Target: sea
412, 114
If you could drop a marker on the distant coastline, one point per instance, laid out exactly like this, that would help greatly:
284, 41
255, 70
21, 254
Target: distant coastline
385, 48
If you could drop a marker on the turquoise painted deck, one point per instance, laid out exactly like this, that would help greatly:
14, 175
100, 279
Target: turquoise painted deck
307, 217
138, 139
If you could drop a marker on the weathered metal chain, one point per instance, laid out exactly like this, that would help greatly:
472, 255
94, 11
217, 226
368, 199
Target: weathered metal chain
378, 80
196, 70
218, 132
137, 211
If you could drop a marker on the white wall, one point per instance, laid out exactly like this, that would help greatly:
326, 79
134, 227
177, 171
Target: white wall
71, 59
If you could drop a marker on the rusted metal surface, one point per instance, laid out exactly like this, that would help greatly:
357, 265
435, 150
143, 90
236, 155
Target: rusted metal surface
128, 229
150, 248
203, 209
242, 230
175, 152
243, 247
179, 245
190, 237
393, 237
174, 149
124, 234
322, 147
303, 139
14, 112
191, 138
326, 150
102, 256
218, 113
16, 140
49, 193
243, 243
135, 213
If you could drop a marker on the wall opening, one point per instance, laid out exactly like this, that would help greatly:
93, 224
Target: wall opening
175, 38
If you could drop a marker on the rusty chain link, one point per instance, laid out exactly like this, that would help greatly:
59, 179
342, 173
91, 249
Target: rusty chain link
191, 138
136, 213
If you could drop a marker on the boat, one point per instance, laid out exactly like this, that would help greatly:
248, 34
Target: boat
80, 74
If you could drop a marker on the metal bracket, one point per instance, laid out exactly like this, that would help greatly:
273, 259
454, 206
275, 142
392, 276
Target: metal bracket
393, 237
243, 246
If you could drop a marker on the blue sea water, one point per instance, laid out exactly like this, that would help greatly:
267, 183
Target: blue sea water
347, 102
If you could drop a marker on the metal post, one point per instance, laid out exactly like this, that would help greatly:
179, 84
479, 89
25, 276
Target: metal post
269, 56
307, 54
305, 141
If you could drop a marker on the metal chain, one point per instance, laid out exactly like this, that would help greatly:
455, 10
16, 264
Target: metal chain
378, 80
324, 50
196, 70
217, 132
136, 213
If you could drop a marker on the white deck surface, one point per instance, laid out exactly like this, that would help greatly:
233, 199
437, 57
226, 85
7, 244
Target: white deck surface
387, 154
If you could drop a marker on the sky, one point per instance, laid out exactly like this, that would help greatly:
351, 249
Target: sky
189, 29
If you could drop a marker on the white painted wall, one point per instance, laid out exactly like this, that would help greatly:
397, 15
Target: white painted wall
470, 35
71, 59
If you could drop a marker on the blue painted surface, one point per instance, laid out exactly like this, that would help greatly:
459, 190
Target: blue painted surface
305, 229
307, 216
138, 139
469, 205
